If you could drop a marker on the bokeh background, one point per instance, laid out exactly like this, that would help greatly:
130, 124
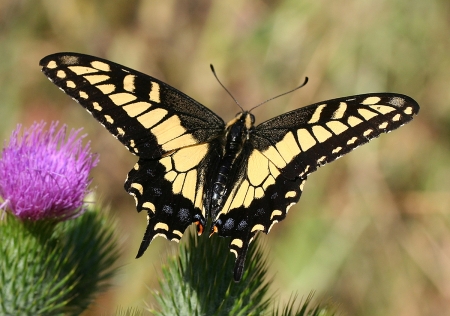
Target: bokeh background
371, 232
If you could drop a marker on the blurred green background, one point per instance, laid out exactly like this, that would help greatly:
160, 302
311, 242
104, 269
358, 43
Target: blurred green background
372, 230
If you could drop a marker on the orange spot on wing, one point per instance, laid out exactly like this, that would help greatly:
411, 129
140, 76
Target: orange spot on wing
199, 228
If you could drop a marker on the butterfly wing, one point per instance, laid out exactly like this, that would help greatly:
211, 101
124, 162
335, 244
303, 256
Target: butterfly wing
171, 190
281, 152
259, 197
173, 135
300, 141
148, 116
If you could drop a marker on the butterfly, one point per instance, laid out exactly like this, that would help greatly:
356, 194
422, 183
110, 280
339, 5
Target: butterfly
195, 168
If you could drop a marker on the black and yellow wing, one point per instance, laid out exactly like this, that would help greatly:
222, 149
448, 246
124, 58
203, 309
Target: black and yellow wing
280, 153
148, 116
173, 135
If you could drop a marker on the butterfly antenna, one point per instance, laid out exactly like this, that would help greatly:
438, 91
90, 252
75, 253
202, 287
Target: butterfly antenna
280, 95
215, 75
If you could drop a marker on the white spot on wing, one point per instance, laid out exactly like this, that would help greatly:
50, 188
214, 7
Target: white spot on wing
316, 115
290, 194
383, 109
275, 213
94, 79
81, 70
352, 140
52, 64
138, 187
353, 121
151, 118
257, 227
258, 168
337, 127
371, 100
70, 84
128, 83
366, 114
383, 125
61, 74
149, 206
161, 225
100, 65
305, 139
321, 133
339, 113
396, 118
122, 98
109, 119
237, 242
97, 106
106, 88
137, 108
154, 92
189, 157
83, 95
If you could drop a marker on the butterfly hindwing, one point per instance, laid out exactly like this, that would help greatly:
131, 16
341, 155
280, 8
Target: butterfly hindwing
260, 196
148, 116
171, 190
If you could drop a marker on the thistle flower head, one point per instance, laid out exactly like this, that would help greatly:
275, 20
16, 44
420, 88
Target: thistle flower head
43, 175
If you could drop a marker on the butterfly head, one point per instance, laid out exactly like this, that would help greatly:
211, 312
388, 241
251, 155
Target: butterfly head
238, 129
244, 119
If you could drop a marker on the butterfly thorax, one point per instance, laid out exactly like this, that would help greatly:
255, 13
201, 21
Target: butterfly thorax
237, 132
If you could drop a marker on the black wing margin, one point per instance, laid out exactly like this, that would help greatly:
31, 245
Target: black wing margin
148, 116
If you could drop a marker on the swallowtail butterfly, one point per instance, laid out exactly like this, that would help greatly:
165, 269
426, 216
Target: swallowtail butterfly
193, 167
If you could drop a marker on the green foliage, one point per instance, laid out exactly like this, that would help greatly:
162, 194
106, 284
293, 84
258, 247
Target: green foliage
303, 309
200, 281
130, 311
54, 268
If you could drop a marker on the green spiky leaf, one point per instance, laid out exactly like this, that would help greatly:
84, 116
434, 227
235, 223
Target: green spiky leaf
54, 268
200, 281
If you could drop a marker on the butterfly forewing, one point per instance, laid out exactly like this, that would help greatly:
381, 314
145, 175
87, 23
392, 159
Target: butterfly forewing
148, 116
302, 140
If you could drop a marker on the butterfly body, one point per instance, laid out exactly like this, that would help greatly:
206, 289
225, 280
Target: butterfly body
194, 168
237, 132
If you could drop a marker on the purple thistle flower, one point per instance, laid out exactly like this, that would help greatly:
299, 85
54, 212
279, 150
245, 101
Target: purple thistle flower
44, 176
